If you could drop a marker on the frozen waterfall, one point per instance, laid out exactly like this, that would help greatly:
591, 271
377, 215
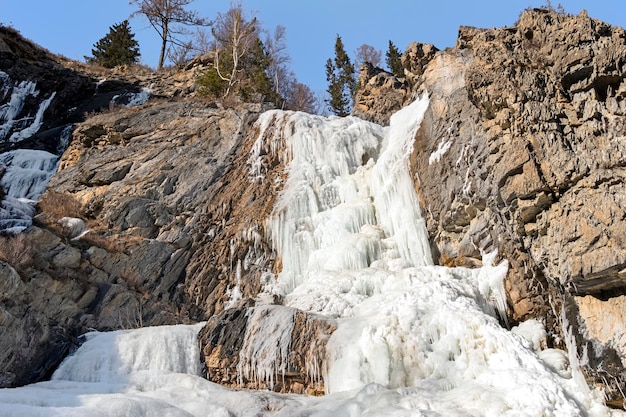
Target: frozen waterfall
412, 338
24, 173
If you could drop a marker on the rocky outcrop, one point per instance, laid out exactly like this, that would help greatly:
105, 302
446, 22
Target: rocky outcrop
522, 150
173, 225
291, 358
380, 94
146, 219
41, 75
415, 59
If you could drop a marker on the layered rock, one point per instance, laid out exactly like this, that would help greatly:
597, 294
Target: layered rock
380, 94
169, 212
522, 150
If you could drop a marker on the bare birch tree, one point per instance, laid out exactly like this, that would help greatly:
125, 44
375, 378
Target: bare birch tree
234, 37
275, 44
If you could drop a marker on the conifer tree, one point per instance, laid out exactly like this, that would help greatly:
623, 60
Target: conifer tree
118, 47
341, 81
394, 61
256, 66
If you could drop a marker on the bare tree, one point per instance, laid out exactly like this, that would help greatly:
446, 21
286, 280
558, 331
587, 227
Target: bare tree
202, 41
168, 18
300, 97
180, 54
278, 59
366, 53
234, 37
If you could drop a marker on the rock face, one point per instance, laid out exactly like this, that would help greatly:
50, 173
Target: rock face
291, 360
522, 150
28, 70
143, 224
380, 94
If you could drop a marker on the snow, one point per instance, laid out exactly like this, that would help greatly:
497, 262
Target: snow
114, 356
412, 338
442, 148
75, 227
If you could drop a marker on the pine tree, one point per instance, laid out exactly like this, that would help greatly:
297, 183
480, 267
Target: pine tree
341, 81
118, 47
256, 66
394, 61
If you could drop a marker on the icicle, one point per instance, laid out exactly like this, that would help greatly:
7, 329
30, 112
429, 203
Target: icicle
265, 350
112, 356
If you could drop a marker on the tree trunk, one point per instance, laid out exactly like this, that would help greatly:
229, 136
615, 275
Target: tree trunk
163, 46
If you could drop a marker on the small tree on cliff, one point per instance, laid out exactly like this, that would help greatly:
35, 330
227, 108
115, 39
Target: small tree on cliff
235, 36
394, 61
168, 18
118, 47
366, 53
341, 81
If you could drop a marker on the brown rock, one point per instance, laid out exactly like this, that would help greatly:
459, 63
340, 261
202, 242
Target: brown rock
522, 150
267, 347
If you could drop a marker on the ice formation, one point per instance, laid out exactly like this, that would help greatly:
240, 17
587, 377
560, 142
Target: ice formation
21, 127
412, 338
25, 178
26, 172
132, 99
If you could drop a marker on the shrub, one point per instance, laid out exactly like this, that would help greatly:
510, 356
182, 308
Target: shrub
16, 250
210, 84
59, 205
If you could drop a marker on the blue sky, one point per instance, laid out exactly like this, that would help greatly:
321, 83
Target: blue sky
71, 27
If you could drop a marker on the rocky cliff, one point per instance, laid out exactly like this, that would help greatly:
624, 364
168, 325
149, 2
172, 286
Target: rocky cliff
145, 219
156, 216
522, 150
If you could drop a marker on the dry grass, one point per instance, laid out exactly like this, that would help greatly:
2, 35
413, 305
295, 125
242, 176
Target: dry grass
454, 261
58, 205
16, 250
108, 243
54, 206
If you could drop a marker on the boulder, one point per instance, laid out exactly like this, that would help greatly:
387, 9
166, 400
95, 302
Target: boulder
266, 347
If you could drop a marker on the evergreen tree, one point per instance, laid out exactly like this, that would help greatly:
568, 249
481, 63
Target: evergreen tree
256, 67
341, 81
118, 47
394, 61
